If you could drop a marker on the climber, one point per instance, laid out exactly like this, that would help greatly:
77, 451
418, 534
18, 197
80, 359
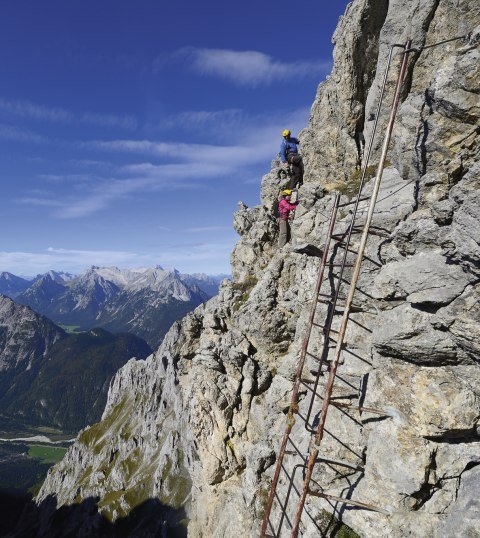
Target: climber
291, 158
284, 209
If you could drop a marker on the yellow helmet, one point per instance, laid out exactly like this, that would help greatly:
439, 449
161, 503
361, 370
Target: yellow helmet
287, 132
286, 192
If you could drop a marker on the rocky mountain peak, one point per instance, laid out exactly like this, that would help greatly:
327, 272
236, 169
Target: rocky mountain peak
12, 285
24, 335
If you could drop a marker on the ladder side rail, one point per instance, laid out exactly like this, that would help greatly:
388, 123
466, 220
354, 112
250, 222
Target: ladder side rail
349, 234
301, 362
351, 292
363, 242
314, 306
287, 497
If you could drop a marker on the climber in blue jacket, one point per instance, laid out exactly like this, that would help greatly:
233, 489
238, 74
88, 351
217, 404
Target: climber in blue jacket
291, 158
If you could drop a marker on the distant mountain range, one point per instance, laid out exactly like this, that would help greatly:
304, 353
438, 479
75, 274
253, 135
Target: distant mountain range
50, 378
11, 285
144, 302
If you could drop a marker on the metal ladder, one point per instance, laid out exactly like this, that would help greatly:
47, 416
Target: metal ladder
291, 508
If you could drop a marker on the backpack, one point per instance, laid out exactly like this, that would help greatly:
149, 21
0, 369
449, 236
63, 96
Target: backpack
275, 204
275, 212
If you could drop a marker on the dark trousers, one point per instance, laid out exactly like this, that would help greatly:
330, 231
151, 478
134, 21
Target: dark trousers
296, 170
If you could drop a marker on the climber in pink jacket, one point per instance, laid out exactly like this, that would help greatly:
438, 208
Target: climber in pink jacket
284, 209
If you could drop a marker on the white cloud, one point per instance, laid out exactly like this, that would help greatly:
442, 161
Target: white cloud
188, 152
17, 134
96, 193
207, 229
249, 68
43, 202
62, 259
255, 141
202, 257
33, 111
207, 257
235, 126
104, 193
72, 178
201, 119
109, 120
26, 109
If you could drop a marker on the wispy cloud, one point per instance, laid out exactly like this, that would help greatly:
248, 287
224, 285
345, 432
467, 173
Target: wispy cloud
200, 153
256, 140
206, 229
42, 202
34, 111
104, 193
196, 119
109, 120
26, 109
71, 178
235, 126
63, 259
208, 257
17, 134
93, 193
249, 68
253, 140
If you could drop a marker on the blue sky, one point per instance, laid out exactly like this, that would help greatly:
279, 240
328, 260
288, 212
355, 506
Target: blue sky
130, 130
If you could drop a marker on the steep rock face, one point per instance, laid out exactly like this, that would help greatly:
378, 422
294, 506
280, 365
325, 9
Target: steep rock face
25, 336
199, 423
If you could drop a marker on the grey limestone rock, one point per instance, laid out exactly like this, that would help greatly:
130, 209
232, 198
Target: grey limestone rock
425, 278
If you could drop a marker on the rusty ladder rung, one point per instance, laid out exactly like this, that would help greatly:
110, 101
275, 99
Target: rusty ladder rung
320, 326
342, 244
342, 463
357, 229
297, 450
361, 409
307, 382
339, 237
332, 461
354, 201
377, 231
340, 277
354, 309
329, 296
329, 301
349, 501
318, 359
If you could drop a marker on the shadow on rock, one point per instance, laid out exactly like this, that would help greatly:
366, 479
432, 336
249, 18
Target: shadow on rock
151, 519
